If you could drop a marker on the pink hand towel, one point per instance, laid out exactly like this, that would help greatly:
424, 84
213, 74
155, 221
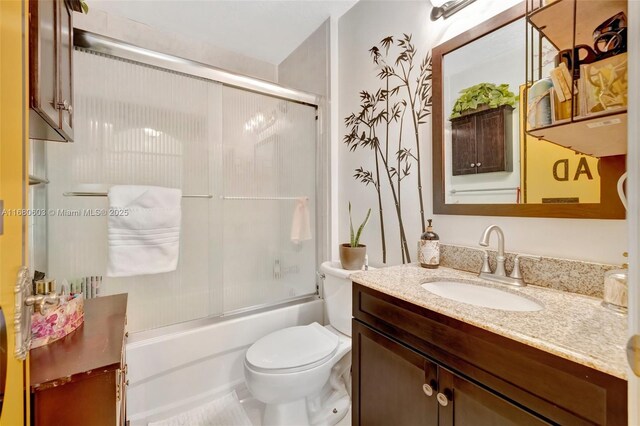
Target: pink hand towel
301, 223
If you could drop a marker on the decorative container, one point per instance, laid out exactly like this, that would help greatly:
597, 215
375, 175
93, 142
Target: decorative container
57, 323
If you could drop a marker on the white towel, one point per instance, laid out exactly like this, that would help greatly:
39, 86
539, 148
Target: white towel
144, 230
301, 224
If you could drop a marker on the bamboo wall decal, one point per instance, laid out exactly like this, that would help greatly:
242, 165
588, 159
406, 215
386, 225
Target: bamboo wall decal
397, 97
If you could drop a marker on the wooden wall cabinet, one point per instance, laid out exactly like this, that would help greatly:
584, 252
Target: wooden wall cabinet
81, 379
51, 69
481, 142
412, 366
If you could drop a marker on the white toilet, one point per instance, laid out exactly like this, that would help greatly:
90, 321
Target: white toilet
302, 373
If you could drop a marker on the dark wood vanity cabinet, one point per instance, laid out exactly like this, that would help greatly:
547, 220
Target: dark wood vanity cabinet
481, 141
50, 69
412, 366
80, 379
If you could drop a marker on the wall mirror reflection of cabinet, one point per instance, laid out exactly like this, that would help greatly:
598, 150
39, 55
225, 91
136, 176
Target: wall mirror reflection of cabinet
481, 141
520, 173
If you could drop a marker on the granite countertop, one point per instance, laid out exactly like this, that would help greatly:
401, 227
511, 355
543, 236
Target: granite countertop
571, 326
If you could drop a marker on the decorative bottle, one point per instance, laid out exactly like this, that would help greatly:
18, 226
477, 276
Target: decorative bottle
429, 248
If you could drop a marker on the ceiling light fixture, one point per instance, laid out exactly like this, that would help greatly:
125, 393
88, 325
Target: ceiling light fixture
444, 9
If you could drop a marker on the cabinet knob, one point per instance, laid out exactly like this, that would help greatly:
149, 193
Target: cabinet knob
478, 164
472, 165
65, 106
442, 399
427, 389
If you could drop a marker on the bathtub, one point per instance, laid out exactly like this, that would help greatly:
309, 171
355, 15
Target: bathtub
175, 368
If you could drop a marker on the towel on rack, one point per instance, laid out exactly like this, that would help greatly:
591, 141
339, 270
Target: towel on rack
301, 223
146, 238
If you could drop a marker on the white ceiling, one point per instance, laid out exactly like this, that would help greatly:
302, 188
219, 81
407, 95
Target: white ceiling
268, 29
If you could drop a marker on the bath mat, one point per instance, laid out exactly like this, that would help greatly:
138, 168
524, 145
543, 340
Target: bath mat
224, 411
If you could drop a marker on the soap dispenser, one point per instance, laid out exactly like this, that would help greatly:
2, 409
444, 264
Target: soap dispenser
429, 248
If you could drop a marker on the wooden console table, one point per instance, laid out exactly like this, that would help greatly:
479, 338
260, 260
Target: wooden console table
81, 378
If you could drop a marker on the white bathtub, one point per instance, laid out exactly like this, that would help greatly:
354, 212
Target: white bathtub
176, 368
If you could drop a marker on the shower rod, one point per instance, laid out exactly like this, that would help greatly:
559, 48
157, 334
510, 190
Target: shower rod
104, 194
264, 198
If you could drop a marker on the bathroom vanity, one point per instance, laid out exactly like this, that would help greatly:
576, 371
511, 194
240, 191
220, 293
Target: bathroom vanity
422, 359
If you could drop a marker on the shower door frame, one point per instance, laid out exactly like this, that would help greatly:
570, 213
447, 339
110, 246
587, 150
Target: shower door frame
103, 44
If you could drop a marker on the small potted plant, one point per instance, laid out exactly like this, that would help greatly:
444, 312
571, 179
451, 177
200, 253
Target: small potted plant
352, 254
481, 97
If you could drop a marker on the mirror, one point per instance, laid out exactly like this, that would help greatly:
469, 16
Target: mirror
484, 162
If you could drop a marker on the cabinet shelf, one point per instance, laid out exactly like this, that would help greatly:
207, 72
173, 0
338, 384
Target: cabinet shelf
556, 19
600, 135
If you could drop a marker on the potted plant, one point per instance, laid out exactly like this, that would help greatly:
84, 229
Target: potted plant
481, 97
352, 254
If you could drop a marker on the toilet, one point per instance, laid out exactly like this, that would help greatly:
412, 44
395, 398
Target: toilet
302, 373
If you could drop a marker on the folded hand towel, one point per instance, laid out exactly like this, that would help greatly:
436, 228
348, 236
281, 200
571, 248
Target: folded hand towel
301, 224
144, 237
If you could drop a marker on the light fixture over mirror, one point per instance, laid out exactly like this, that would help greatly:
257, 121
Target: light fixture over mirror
444, 9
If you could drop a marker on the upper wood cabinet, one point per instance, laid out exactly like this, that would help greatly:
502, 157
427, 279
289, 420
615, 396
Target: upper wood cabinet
50, 69
481, 142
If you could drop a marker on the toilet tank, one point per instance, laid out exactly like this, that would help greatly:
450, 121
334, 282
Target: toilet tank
337, 296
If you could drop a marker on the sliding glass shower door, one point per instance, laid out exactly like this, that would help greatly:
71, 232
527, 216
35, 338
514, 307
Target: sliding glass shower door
269, 154
251, 244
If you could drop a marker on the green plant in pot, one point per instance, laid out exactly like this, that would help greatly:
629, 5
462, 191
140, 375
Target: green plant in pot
352, 254
481, 97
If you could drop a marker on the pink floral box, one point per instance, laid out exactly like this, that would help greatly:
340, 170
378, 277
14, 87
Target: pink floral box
57, 323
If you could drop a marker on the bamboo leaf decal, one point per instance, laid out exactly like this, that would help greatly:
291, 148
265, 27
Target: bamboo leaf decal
406, 89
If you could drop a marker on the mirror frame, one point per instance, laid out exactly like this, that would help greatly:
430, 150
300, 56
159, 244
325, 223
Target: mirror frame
610, 206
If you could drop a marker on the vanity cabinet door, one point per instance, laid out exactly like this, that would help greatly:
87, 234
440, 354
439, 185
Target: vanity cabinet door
493, 140
464, 403
463, 146
65, 76
50, 69
43, 59
389, 382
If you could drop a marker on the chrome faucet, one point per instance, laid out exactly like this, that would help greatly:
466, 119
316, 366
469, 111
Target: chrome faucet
500, 274
484, 241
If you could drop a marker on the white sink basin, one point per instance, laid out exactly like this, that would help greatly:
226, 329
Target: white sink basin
486, 297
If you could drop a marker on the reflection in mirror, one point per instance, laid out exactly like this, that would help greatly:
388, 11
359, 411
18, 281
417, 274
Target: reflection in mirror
484, 162
481, 83
488, 158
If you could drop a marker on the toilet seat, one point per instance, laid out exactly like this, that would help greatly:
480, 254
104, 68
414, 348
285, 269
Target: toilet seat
293, 349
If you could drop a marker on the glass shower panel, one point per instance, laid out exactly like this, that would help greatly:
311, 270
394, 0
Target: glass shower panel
139, 125
269, 162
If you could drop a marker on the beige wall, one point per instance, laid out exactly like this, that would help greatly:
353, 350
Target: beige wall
359, 29
142, 35
307, 69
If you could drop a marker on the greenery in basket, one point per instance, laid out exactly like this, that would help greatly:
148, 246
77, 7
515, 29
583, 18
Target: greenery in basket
483, 94
355, 237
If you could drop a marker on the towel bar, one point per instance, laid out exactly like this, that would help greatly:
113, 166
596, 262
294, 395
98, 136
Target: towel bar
263, 198
104, 194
